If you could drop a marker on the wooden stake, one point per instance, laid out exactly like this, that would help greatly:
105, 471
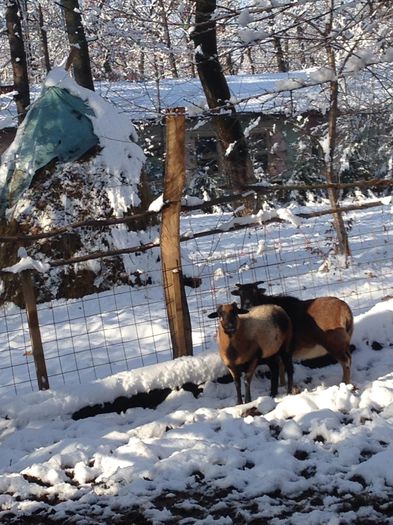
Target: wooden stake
34, 328
174, 181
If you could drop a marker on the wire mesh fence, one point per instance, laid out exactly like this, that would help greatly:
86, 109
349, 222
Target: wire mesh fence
86, 339
300, 260
127, 327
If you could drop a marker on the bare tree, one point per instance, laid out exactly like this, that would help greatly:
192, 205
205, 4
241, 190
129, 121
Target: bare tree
167, 37
282, 63
18, 58
77, 39
231, 140
44, 38
342, 237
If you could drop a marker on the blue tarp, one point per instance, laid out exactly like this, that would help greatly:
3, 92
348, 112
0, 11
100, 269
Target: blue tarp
56, 127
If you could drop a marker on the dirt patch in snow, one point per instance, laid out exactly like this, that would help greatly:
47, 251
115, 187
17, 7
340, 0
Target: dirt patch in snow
200, 503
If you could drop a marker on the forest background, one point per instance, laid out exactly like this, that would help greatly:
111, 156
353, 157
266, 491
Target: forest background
346, 44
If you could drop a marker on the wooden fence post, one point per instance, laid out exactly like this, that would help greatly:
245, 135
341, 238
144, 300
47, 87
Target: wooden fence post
34, 328
174, 182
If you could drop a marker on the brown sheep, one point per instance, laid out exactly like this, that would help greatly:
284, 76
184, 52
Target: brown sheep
321, 326
245, 337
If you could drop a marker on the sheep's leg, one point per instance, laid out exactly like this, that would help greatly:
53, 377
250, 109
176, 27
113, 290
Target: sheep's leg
346, 365
274, 365
282, 374
235, 373
248, 377
288, 365
337, 344
343, 355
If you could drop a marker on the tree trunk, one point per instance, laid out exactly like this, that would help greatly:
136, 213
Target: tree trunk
282, 64
229, 64
191, 62
236, 158
31, 65
44, 39
251, 60
168, 42
141, 65
77, 39
300, 41
342, 237
18, 59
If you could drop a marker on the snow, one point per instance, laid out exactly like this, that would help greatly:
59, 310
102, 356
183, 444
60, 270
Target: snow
120, 158
323, 74
294, 92
287, 215
251, 35
289, 84
157, 204
27, 263
322, 456
340, 435
245, 17
112, 177
381, 318
6, 121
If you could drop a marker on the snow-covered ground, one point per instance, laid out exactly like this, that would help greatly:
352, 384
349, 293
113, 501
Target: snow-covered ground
323, 456
141, 100
292, 92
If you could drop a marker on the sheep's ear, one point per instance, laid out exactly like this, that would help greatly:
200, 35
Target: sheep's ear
238, 309
258, 282
213, 315
235, 292
262, 290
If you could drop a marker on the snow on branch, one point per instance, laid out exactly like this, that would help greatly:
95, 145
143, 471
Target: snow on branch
27, 263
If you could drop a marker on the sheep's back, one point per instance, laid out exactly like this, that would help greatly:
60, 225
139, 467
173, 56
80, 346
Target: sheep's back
268, 323
331, 313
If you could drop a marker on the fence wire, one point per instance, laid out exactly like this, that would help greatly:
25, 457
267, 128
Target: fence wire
126, 328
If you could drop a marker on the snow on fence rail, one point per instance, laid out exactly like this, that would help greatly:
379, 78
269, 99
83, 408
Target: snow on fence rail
126, 328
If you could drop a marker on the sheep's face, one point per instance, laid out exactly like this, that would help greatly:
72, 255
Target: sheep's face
249, 294
228, 315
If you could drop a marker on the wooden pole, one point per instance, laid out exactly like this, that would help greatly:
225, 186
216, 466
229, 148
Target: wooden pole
34, 328
174, 181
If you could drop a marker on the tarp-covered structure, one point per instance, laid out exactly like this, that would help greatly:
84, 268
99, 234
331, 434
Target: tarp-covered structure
74, 159
56, 127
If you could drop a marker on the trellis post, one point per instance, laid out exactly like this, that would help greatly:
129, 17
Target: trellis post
174, 182
34, 329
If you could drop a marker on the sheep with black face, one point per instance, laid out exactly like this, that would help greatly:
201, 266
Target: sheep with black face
321, 326
245, 337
